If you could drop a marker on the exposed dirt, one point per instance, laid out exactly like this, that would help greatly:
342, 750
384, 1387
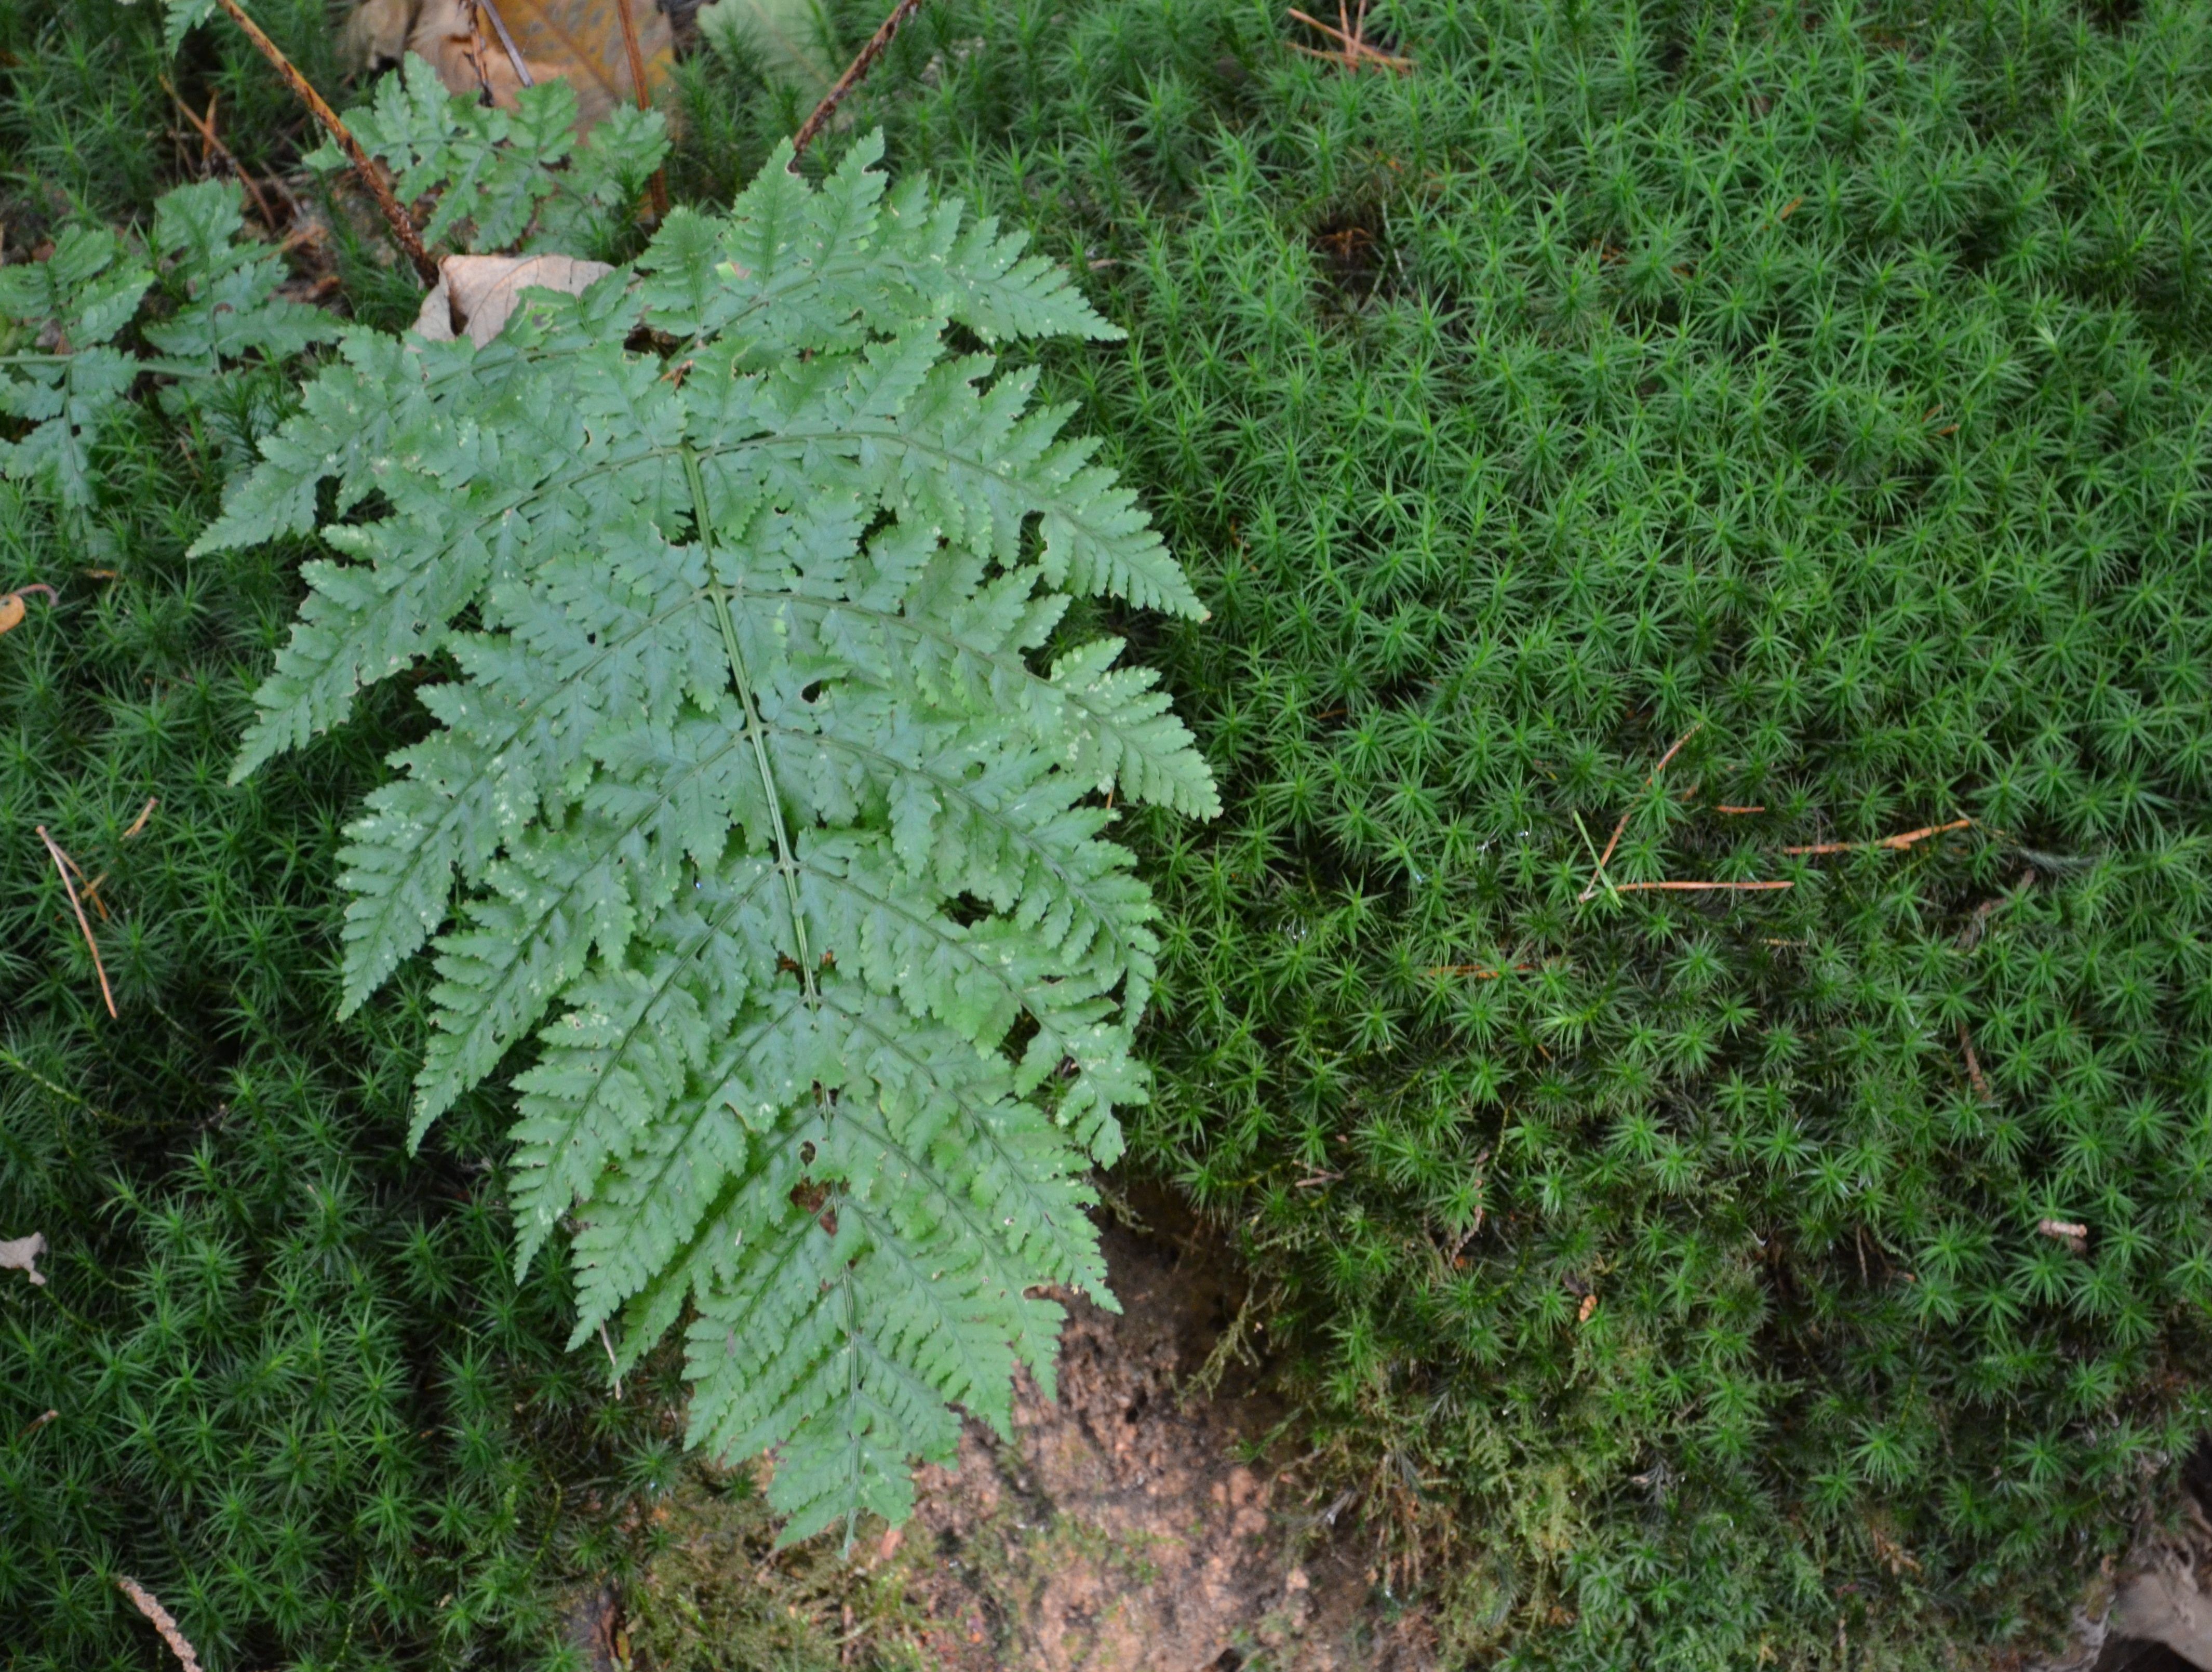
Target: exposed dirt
1128, 1530
1133, 1525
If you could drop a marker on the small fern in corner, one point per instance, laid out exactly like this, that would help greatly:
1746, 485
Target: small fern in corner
764, 816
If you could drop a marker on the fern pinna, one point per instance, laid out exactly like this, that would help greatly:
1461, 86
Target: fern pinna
754, 788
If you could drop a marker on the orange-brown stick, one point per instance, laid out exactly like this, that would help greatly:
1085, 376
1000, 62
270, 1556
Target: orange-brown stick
403, 229
1905, 840
1650, 778
1636, 888
635, 54
205, 126
855, 73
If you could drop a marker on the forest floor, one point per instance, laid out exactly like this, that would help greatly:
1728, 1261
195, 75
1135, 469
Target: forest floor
1135, 1525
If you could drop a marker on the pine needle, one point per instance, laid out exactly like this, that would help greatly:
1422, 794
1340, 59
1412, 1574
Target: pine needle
1634, 888
1905, 840
66, 866
1598, 876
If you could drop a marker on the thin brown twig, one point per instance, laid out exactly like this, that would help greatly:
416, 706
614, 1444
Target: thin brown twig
1331, 31
144, 813
64, 864
513, 52
91, 894
1724, 807
143, 1600
1971, 936
1338, 58
1353, 35
1636, 888
855, 73
612, 1365
1973, 1065
1905, 840
1968, 938
479, 56
403, 229
1650, 778
1474, 1229
205, 127
658, 186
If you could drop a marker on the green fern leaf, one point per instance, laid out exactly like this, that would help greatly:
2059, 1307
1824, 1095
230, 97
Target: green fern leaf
232, 310
73, 303
752, 807
505, 177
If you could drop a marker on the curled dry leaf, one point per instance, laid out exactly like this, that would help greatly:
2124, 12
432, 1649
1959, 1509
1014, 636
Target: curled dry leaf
12, 605
21, 1254
580, 40
2075, 1237
475, 294
375, 34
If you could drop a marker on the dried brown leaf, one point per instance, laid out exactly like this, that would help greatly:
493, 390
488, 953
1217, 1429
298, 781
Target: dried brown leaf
481, 292
21, 1254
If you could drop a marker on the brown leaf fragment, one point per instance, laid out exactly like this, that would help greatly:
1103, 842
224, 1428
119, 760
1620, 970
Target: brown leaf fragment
376, 34
478, 294
515, 44
2075, 1237
21, 1254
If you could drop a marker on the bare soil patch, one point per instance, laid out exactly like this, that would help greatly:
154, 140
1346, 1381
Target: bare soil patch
1129, 1529
1133, 1525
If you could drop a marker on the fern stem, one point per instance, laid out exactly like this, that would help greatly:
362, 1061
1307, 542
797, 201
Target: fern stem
755, 732
403, 229
659, 185
852, 1396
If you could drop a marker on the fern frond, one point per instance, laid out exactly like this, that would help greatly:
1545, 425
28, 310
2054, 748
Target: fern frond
767, 819
501, 178
75, 301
